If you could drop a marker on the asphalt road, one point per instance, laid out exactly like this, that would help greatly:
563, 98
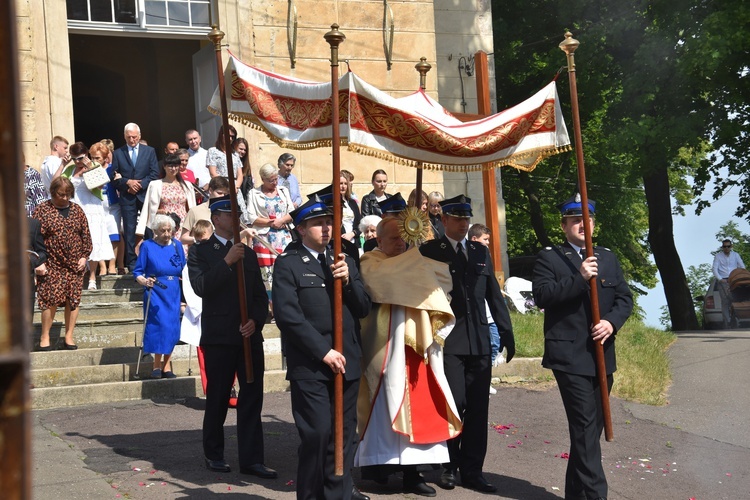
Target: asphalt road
697, 447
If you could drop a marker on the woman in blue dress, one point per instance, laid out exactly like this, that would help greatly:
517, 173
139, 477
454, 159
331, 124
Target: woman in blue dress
161, 261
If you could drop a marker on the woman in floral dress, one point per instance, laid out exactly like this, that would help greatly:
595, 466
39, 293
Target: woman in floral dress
268, 210
66, 235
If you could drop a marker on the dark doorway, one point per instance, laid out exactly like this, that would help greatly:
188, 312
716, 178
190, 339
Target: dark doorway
117, 80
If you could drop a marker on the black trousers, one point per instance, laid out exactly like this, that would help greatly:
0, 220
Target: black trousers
221, 362
130, 210
583, 407
313, 411
469, 378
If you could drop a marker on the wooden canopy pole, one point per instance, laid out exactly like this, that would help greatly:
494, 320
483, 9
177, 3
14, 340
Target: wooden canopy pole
422, 67
489, 185
334, 39
215, 35
569, 46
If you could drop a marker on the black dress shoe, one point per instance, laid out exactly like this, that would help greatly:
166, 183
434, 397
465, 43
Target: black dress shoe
358, 495
217, 465
259, 470
447, 479
478, 483
46, 348
69, 347
420, 488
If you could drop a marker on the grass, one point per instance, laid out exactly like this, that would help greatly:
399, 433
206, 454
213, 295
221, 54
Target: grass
643, 373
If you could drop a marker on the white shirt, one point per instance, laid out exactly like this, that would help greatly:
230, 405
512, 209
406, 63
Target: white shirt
463, 244
725, 264
197, 165
49, 167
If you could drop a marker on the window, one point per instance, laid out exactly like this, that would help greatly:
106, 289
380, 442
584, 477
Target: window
158, 13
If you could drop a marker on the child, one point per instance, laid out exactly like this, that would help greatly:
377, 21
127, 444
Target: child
202, 230
481, 234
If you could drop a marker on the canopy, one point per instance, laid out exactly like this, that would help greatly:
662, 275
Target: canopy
414, 130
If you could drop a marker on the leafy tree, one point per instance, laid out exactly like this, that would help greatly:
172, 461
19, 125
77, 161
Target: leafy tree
643, 123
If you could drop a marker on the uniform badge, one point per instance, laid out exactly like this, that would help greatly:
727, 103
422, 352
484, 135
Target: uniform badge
443, 246
216, 246
305, 259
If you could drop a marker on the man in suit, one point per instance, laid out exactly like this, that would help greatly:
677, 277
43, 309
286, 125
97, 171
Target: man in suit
137, 165
467, 360
211, 266
561, 289
303, 297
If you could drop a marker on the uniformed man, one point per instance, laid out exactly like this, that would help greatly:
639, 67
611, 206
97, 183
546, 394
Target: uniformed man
303, 296
211, 266
468, 365
561, 289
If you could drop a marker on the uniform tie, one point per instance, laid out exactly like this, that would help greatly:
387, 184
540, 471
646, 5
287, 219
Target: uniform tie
324, 264
460, 257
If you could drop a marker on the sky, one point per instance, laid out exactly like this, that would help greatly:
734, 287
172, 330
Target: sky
695, 240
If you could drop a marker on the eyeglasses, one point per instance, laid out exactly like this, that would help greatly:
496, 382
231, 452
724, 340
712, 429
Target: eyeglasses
79, 158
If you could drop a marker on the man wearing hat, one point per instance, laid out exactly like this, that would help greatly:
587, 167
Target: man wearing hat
211, 266
303, 279
390, 207
561, 289
325, 195
467, 359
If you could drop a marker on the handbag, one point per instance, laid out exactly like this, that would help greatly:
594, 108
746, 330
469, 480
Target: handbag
95, 178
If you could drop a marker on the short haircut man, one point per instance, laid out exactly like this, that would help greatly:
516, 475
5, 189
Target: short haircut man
561, 287
303, 283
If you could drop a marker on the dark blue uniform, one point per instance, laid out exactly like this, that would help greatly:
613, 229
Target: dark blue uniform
467, 351
562, 292
216, 282
302, 299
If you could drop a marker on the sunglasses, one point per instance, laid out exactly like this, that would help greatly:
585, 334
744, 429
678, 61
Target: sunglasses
79, 158
726, 246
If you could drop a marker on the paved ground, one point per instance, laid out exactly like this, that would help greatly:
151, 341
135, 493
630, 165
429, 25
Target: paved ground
696, 447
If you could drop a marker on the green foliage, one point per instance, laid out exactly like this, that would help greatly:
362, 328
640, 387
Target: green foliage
643, 372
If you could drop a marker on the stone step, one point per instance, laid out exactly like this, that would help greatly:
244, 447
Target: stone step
115, 332
102, 311
53, 366
179, 388
113, 282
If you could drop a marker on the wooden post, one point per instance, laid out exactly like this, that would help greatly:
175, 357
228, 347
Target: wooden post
15, 314
569, 46
334, 39
215, 35
489, 185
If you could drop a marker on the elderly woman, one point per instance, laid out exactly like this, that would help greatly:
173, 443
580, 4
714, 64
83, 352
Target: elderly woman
170, 195
268, 210
65, 230
160, 263
368, 227
92, 203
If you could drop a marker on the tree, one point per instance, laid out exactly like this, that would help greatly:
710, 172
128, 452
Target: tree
644, 127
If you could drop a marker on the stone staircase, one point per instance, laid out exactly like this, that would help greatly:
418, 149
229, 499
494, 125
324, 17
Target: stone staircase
103, 369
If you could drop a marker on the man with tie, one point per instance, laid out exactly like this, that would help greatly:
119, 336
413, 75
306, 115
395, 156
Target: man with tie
137, 165
561, 288
211, 266
467, 359
303, 298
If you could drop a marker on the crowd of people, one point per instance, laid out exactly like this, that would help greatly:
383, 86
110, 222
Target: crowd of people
416, 361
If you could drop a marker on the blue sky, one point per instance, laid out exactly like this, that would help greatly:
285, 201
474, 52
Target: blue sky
695, 240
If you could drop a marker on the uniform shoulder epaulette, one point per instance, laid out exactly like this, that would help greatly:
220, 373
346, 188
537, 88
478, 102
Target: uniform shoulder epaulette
604, 248
547, 249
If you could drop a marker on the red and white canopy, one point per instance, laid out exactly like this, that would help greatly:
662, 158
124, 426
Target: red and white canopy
413, 130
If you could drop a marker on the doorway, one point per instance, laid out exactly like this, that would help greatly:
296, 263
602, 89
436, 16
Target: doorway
116, 80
